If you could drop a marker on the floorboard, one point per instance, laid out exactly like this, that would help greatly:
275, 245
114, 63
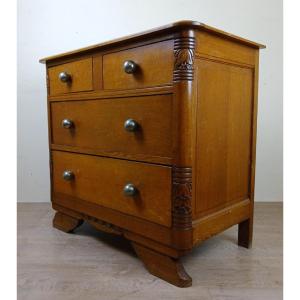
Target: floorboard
92, 265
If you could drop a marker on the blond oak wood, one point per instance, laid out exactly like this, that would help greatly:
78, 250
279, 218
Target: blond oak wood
162, 266
81, 72
184, 102
195, 99
107, 94
162, 247
156, 246
224, 123
245, 234
71, 205
208, 226
99, 125
216, 47
163, 30
129, 156
97, 73
101, 181
148, 73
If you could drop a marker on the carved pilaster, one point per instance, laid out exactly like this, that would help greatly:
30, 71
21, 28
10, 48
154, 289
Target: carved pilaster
184, 52
184, 89
182, 198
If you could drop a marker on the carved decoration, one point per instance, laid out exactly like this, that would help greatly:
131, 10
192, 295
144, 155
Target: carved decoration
182, 198
184, 52
102, 225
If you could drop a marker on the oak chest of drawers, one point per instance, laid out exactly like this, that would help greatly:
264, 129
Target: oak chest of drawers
152, 137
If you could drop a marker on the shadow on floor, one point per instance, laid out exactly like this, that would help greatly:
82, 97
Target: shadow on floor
115, 241
122, 244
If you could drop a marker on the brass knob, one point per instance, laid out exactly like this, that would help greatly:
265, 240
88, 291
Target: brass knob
130, 66
130, 190
68, 175
66, 123
131, 125
64, 77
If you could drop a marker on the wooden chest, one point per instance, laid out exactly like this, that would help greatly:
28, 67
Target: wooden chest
152, 137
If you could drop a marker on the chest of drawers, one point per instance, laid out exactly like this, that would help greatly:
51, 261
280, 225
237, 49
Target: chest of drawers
152, 137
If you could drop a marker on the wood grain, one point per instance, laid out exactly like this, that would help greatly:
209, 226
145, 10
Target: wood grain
81, 72
75, 207
211, 224
194, 97
99, 125
163, 30
167, 268
129, 156
224, 120
217, 47
246, 230
101, 181
68, 220
155, 67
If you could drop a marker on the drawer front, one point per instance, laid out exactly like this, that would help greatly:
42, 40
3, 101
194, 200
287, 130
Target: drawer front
100, 125
71, 77
153, 66
102, 181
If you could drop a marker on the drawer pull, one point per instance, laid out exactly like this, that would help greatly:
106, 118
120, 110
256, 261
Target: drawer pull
68, 175
131, 125
64, 77
130, 190
130, 66
66, 123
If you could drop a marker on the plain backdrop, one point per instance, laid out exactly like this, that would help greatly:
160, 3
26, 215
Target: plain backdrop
51, 27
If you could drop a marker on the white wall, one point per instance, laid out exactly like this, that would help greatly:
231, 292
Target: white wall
51, 27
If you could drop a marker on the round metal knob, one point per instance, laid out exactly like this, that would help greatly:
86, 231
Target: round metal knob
64, 77
131, 125
66, 123
68, 175
130, 66
130, 190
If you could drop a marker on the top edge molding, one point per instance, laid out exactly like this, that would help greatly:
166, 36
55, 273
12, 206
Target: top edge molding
169, 28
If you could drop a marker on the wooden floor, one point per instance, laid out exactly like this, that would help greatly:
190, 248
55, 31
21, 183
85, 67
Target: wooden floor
90, 265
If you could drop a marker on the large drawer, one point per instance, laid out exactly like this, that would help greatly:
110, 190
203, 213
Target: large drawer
103, 180
71, 77
153, 66
100, 125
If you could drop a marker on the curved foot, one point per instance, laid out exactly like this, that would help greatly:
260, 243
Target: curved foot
162, 266
66, 223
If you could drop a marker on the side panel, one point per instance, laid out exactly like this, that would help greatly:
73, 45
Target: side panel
210, 45
224, 127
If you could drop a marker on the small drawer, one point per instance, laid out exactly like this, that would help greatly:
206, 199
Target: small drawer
138, 128
145, 66
71, 77
138, 189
